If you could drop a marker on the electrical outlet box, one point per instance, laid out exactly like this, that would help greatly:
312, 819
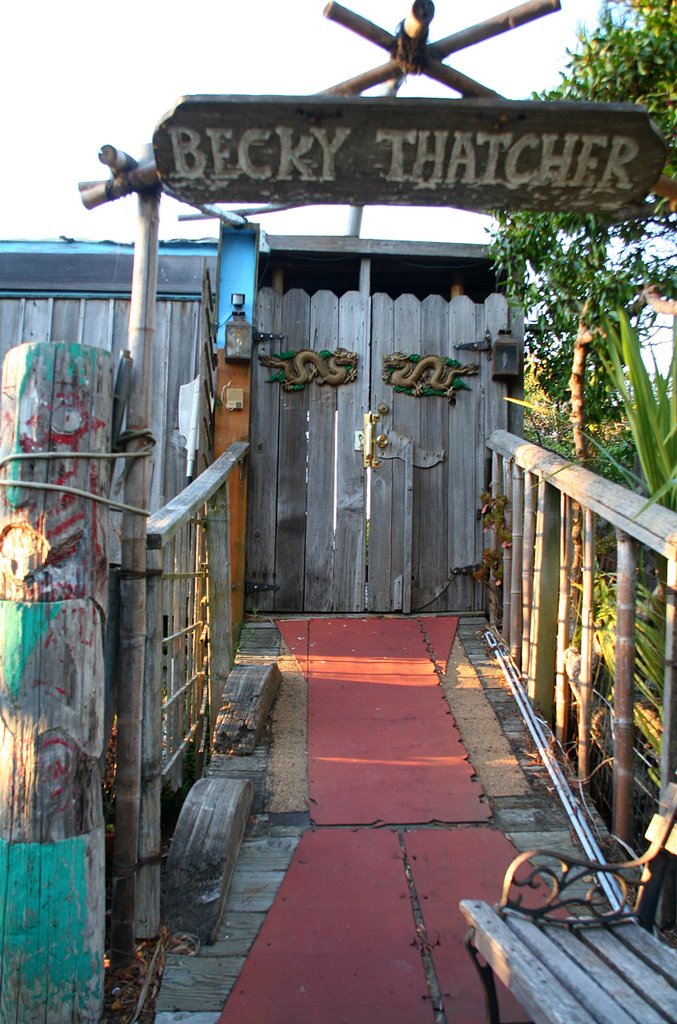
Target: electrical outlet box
234, 398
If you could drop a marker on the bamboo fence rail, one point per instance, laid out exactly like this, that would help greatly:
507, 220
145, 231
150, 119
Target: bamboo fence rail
188, 651
536, 620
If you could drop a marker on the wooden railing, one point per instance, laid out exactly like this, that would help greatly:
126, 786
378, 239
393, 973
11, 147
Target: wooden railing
535, 610
188, 650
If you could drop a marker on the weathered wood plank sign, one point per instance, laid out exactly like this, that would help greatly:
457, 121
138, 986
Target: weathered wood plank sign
473, 154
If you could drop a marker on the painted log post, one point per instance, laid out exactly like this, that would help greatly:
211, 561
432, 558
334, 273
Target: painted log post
57, 399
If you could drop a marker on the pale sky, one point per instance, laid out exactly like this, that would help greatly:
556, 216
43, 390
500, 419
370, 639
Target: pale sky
76, 75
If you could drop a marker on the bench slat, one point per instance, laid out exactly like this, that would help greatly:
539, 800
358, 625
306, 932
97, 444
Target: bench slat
655, 953
599, 1004
543, 997
609, 981
649, 982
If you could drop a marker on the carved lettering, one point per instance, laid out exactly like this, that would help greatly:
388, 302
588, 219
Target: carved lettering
623, 151
330, 149
435, 157
190, 162
224, 152
396, 140
438, 160
251, 137
586, 163
556, 159
462, 155
496, 143
514, 178
291, 154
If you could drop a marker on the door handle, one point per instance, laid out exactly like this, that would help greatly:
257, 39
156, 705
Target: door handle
369, 448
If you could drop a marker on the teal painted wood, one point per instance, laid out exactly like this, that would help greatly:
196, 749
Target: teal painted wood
236, 272
50, 894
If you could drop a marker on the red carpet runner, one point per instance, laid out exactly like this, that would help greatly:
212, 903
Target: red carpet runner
382, 746
341, 944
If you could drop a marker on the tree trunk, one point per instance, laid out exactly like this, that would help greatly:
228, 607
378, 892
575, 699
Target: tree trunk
53, 596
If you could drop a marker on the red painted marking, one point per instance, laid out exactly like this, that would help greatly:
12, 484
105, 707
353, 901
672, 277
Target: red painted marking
382, 744
65, 524
339, 943
447, 867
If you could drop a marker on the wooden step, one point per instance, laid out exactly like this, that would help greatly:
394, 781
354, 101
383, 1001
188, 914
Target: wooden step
203, 853
249, 695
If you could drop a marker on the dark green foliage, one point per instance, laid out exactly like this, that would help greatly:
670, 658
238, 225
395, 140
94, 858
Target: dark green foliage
562, 267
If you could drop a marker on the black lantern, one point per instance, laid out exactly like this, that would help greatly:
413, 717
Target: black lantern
238, 331
506, 357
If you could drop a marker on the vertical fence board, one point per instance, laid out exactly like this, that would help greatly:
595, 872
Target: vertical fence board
351, 400
264, 436
319, 558
430, 522
385, 551
292, 464
466, 474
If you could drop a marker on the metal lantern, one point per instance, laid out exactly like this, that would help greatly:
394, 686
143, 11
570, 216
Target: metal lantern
238, 331
506, 357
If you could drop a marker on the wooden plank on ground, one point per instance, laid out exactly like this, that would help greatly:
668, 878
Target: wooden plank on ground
249, 695
203, 854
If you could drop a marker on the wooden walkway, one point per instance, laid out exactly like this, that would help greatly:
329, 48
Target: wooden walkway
194, 988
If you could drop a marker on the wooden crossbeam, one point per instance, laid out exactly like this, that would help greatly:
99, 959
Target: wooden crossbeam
431, 63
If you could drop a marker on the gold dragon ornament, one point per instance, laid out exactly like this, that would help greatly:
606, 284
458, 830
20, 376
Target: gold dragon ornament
426, 375
296, 369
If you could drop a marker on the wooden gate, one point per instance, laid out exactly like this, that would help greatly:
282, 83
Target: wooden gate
328, 534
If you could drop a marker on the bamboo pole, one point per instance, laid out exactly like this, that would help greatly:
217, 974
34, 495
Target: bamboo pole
516, 596
507, 548
528, 546
562, 689
542, 627
667, 913
493, 538
494, 26
624, 727
435, 52
133, 587
587, 625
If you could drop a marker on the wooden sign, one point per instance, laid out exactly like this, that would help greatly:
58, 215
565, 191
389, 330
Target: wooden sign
472, 154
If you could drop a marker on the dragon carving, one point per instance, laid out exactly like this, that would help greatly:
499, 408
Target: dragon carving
426, 375
296, 369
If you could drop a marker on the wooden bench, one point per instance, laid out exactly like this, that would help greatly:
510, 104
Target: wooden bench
568, 957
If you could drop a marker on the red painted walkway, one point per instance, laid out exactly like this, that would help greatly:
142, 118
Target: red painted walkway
400, 830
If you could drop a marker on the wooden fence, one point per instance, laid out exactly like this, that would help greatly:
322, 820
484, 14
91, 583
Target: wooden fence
188, 650
536, 612
178, 355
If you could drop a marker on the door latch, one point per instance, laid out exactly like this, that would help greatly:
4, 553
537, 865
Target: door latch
369, 448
